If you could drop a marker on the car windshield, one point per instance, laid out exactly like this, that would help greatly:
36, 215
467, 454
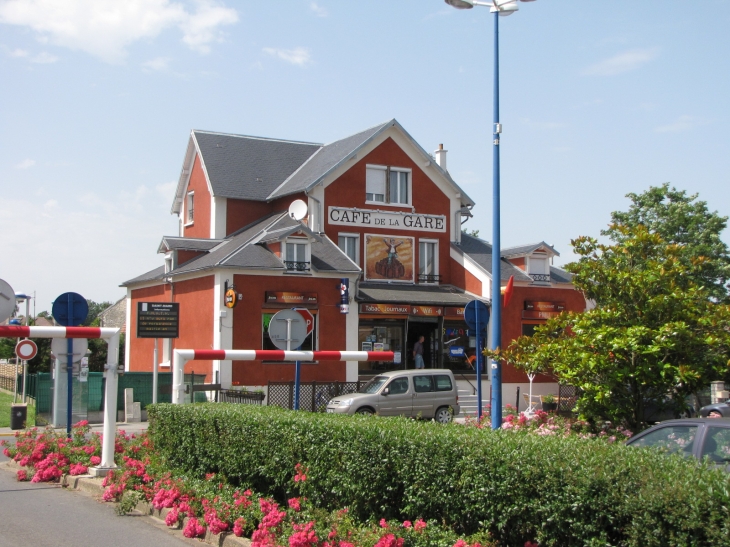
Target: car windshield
374, 385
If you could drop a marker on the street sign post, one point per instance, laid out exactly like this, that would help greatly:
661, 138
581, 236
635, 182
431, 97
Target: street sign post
288, 329
26, 350
70, 310
476, 315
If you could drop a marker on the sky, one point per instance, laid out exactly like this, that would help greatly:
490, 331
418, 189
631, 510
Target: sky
98, 97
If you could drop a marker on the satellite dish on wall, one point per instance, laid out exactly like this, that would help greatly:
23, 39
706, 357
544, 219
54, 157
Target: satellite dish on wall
298, 209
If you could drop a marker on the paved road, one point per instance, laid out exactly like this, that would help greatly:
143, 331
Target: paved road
44, 515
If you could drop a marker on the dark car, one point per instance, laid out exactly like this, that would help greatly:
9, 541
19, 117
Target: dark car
697, 437
716, 410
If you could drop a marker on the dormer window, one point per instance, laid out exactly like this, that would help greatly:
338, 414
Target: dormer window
387, 185
297, 255
538, 268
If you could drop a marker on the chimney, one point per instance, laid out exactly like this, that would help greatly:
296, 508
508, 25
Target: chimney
440, 156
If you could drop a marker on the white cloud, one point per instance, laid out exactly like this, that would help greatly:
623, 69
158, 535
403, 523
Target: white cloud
25, 164
298, 56
157, 64
44, 58
683, 123
318, 10
19, 53
623, 62
105, 28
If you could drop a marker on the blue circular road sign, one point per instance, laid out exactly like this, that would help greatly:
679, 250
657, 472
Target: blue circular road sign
476, 309
70, 309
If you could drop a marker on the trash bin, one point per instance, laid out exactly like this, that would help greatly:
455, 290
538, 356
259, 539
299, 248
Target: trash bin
18, 416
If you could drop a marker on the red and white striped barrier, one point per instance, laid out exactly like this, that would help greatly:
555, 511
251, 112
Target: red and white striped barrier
282, 355
15, 331
181, 356
110, 398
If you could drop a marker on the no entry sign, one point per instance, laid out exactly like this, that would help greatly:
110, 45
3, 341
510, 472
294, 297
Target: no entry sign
26, 350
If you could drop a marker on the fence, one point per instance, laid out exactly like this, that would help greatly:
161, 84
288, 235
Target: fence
313, 396
567, 397
245, 397
40, 388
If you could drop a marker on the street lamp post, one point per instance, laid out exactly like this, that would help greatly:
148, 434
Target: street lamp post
499, 8
20, 298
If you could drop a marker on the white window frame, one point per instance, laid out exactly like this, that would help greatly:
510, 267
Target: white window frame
355, 237
190, 208
307, 252
386, 196
435, 243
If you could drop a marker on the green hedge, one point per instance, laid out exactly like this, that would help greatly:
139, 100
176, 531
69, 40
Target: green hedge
562, 491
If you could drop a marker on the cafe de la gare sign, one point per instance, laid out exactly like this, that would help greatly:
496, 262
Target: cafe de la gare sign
372, 218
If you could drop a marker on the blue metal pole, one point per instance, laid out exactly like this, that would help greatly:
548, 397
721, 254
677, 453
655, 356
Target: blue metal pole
496, 403
480, 360
70, 366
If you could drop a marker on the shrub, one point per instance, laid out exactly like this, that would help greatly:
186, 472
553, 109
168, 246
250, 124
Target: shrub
519, 487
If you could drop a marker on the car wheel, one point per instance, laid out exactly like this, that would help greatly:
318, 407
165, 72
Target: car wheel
443, 415
365, 411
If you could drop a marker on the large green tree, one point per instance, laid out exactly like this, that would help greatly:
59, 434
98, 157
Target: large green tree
682, 219
654, 337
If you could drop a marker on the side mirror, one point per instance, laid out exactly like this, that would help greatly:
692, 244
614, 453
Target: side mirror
386, 391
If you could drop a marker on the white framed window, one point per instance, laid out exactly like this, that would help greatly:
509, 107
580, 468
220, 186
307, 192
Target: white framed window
428, 261
296, 255
538, 268
190, 208
350, 245
387, 185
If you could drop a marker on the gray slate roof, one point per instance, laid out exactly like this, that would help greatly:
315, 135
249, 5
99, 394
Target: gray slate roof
245, 249
419, 295
244, 167
526, 249
481, 252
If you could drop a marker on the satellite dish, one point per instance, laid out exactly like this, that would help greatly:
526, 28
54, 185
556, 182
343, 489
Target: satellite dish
298, 209
7, 301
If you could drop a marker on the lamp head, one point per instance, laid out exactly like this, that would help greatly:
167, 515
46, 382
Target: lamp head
504, 7
460, 4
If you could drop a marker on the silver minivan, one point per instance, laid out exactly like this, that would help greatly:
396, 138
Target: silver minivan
421, 393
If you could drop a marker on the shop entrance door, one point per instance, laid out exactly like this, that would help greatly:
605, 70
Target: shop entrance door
429, 331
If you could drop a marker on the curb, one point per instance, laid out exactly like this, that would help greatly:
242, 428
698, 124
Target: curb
89, 485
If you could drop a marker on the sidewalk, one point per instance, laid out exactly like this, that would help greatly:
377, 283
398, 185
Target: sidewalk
136, 427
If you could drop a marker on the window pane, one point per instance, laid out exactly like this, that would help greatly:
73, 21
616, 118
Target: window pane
443, 383
426, 258
679, 439
290, 252
398, 386
717, 445
375, 184
403, 187
423, 384
348, 244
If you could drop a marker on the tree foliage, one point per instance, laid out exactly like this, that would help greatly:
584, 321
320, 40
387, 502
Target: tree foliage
654, 337
683, 220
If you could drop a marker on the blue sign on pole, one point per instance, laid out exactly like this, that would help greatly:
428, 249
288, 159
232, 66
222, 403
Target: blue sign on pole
70, 310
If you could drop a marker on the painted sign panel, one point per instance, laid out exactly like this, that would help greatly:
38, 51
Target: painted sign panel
371, 218
453, 312
158, 319
389, 258
390, 309
532, 305
291, 297
428, 311
535, 314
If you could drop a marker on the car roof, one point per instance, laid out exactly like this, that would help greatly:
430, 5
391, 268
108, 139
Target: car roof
411, 372
693, 421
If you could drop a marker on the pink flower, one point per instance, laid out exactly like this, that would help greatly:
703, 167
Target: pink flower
238, 526
389, 540
383, 523
300, 476
461, 543
172, 517
95, 460
419, 525
294, 504
193, 529
531, 544
22, 475
304, 536
407, 524
78, 469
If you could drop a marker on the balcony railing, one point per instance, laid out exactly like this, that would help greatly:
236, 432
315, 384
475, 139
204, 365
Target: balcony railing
540, 278
428, 278
292, 265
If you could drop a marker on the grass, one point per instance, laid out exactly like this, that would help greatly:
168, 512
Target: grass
6, 399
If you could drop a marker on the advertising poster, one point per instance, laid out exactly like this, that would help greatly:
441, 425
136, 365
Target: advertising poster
389, 258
